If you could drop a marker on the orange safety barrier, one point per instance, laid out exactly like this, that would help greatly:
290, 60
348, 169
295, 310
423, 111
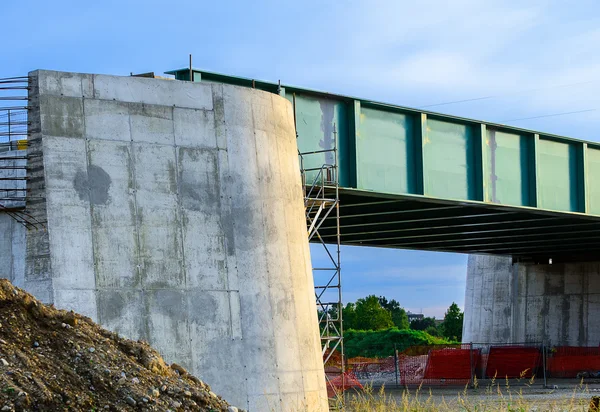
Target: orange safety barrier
450, 363
573, 361
512, 361
338, 384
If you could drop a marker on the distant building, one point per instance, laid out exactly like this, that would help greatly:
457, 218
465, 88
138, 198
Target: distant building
414, 316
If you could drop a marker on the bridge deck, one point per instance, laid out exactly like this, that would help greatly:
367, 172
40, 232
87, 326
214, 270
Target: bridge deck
420, 180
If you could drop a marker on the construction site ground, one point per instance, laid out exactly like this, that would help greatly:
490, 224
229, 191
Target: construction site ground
53, 360
558, 395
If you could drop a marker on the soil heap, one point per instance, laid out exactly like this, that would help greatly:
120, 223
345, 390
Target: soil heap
54, 360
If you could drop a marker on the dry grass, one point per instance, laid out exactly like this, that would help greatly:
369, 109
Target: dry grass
497, 396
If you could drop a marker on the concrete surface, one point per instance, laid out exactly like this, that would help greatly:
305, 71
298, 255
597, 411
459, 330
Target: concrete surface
557, 304
175, 215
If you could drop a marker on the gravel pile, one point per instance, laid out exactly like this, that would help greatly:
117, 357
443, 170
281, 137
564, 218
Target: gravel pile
53, 360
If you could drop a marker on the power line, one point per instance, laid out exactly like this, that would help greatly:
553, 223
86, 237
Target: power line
457, 101
507, 94
548, 115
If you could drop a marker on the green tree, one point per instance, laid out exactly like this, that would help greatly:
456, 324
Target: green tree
367, 314
349, 313
399, 316
381, 343
422, 324
453, 323
433, 331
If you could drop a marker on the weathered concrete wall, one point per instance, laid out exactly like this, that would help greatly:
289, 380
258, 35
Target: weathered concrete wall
557, 304
175, 215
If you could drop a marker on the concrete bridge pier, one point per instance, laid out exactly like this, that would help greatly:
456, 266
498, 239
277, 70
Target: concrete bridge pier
558, 304
174, 213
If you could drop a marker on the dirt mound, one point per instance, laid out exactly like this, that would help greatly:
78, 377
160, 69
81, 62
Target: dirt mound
53, 360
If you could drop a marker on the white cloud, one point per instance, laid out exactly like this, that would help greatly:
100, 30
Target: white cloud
430, 52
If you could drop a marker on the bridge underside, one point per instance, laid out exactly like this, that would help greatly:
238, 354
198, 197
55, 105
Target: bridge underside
406, 222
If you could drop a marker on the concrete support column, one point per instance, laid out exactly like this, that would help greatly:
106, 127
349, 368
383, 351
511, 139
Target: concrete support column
175, 214
558, 304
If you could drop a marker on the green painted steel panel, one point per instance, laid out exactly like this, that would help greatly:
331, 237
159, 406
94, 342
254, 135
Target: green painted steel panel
453, 158
593, 181
507, 158
316, 119
385, 152
558, 174
421, 180
449, 158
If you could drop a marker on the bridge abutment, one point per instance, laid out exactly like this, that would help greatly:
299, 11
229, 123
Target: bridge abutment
558, 304
174, 213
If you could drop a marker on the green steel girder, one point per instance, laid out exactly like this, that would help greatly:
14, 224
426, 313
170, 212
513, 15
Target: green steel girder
418, 179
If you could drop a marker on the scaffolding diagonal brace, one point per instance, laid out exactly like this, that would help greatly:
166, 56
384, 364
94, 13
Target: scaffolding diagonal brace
321, 202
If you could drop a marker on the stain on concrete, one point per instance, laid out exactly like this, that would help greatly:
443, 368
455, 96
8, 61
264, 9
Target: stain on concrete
203, 309
172, 176
120, 310
554, 283
247, 220
170, 303
283, 306
219, 117
62, 116
149, 110
199, 191
228, 229
112, 305
93, 185
566, 319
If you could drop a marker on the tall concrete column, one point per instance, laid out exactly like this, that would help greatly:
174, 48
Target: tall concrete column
557, 304
175, 215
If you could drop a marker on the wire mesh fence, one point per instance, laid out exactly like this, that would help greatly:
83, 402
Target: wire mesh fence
468, 363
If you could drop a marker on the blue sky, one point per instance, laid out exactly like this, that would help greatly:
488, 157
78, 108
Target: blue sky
531, 59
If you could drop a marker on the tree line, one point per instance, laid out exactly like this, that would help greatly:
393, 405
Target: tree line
374, 313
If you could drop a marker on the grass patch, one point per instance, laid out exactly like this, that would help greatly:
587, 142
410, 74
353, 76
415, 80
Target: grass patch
496, 396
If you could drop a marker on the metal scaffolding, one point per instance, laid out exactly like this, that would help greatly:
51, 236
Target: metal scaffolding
14, 130
321, 201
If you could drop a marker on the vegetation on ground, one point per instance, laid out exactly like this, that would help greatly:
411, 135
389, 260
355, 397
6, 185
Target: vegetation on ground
375, 326
381, 343
378, 313
498, 396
